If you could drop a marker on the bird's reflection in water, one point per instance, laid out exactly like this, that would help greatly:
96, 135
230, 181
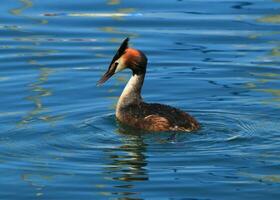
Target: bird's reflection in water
127, 165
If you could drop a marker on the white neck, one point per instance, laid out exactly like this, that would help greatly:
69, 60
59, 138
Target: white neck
132, 91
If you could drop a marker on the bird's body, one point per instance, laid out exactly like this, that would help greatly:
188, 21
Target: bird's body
156, 117
132, 110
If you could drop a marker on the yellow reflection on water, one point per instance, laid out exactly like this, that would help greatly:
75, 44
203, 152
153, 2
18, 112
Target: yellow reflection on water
269, 74
26, 4
275, 51
100, 55
38, 93
261, 85
113, 30
109, 29
270, 19
113, 2
275, 92
126, 10
263, 80
274, 178
37, 90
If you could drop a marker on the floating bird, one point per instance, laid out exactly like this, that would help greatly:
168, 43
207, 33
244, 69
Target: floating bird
131, 110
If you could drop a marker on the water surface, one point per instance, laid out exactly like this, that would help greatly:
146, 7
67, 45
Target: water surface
218, 60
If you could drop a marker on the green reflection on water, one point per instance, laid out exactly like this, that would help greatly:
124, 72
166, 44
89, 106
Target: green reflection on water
113, 2
262, 85
270, 19
116, 31
39, 92
124, 12
275, 92
25, 5
263, 80
274, 178
275, 51
269, 74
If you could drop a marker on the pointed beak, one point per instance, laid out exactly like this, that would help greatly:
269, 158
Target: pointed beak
113, 66
110, 72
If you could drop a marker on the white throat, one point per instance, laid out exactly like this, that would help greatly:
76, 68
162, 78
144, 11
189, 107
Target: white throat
132, 91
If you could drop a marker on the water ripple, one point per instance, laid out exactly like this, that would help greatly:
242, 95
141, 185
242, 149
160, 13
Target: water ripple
218, 60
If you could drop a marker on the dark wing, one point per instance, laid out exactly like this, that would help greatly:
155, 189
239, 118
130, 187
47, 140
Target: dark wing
161, 116
176, 117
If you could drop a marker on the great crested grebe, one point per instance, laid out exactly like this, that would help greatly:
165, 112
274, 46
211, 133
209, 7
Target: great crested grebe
131, 109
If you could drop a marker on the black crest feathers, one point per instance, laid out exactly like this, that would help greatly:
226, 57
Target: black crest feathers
121, 50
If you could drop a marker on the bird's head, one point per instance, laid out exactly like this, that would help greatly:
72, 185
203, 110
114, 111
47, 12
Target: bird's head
125, 58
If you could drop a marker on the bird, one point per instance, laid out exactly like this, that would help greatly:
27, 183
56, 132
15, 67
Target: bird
131, 110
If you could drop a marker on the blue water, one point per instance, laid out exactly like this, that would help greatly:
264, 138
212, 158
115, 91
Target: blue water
218, 60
